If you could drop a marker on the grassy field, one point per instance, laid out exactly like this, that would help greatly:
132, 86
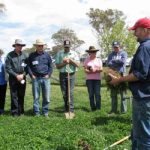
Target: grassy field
95, 129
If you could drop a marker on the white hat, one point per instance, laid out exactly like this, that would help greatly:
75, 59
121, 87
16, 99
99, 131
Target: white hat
18, 42
39, 42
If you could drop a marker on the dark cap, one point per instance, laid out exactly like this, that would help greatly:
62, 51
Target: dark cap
116, 44
141, 23
67, 43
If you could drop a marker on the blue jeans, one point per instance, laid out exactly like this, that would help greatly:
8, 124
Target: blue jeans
114, 100
93, 87
64, 89
141, 125
38, 84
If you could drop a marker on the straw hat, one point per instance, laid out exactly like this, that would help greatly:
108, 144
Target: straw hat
39, 42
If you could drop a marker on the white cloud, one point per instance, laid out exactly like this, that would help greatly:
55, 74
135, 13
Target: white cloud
37, 18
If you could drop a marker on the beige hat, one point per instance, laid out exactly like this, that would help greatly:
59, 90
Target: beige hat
92, 49
18, 42
39, 42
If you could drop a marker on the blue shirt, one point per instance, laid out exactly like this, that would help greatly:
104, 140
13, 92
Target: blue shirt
140, 67
2, 72
117, 61
39, 64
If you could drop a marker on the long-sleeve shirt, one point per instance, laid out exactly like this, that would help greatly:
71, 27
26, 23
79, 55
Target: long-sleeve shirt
2, 71
16, 63
140, 67
117, 60
40, 65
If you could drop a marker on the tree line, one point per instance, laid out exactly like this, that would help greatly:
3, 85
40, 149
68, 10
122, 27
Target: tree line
109, 25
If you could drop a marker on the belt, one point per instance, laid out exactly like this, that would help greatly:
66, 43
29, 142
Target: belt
66, 73
40, 76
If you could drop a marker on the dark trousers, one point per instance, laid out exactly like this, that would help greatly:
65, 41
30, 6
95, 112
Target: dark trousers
64, 88
94, 87
17, 92
2, 97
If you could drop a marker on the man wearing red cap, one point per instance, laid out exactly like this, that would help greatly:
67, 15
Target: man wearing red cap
139, 81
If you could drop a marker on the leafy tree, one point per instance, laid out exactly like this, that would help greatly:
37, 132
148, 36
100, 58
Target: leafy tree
63, 34
118, 33
102, 20
110, 26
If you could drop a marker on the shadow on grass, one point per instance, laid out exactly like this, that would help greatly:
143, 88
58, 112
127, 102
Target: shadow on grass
58, 109
61, 109
65, 148
106, 120
7, 113
85, 109
28, 112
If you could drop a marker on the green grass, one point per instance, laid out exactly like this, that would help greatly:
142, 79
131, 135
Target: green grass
96, 129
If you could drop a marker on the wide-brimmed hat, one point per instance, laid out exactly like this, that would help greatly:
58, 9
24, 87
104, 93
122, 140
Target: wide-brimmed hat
141, 23
67, 43
92, 49
18, 42
39, 42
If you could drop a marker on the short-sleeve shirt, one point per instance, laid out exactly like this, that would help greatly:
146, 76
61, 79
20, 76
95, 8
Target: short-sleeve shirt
72, 55
95, 64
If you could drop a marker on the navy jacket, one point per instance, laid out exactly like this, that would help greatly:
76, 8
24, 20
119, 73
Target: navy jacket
39, 65
140, 67
117, 61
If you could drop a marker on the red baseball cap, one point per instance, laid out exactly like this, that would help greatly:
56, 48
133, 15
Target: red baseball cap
141, 23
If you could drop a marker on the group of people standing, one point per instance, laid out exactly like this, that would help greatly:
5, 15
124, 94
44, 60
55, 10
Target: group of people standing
39, 66
93, 67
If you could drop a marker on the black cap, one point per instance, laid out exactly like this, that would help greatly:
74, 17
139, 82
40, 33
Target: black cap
67, 43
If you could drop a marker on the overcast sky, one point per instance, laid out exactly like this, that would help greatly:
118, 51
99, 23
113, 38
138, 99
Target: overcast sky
32, 19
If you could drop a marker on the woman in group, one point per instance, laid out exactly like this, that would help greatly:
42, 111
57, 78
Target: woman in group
93, 68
